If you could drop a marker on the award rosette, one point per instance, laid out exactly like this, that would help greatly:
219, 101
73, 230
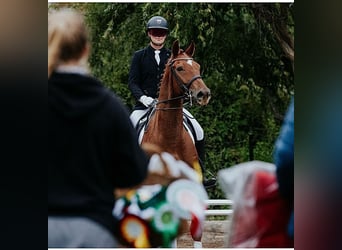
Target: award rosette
185, 197
154, 215
135, 231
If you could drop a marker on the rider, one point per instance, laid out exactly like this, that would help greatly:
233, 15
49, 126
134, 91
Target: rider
144, 79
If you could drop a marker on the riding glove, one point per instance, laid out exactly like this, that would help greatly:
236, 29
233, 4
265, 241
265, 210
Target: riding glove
146, 100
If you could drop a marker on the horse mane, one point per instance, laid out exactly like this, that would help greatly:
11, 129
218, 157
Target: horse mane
161, 79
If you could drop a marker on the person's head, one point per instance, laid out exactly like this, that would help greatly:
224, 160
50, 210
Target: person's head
68, 39
157, 29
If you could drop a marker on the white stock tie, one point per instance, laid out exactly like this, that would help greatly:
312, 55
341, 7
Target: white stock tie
156, 56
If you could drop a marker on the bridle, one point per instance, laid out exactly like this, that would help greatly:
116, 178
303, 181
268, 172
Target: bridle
184, 86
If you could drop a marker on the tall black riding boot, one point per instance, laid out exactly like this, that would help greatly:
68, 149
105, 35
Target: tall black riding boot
207, 183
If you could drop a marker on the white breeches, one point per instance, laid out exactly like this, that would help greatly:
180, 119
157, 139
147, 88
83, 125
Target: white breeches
198, 129
137, 114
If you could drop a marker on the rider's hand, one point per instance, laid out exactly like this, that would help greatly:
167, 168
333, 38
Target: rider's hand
146, 100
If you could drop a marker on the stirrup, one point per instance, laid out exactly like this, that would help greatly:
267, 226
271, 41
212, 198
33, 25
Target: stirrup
209, 183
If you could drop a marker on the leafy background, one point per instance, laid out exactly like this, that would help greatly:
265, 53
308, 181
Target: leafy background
246, 52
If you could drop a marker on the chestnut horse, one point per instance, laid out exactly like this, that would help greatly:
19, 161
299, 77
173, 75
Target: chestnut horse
181, 81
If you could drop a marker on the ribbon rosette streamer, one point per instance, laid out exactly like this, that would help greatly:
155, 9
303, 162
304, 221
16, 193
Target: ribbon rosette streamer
152, 215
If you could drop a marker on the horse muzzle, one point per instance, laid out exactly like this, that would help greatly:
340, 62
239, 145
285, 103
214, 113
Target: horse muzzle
202, 96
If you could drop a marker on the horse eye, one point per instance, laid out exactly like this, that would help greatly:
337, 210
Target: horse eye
180, 68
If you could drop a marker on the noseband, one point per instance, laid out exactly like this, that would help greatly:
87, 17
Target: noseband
184, 86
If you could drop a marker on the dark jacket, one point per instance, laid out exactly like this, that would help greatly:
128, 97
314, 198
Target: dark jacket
93, 148
145, 74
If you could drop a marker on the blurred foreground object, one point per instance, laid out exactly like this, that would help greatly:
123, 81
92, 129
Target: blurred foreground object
260, 215
154, 214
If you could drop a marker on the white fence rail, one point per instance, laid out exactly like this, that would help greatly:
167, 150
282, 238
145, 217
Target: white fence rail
215, 211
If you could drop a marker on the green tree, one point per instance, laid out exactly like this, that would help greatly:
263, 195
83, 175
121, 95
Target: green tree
246, 52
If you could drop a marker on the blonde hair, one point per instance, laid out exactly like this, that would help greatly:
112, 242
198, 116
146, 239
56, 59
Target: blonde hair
67, 37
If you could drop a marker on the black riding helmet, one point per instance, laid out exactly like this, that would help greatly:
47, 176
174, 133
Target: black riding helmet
157, 22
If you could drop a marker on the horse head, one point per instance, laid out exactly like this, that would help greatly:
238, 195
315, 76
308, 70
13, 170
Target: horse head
186, 72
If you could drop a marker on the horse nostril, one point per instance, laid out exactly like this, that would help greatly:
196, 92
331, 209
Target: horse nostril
203, 94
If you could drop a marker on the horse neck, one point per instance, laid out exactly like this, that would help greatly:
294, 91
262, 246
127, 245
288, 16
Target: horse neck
171, 112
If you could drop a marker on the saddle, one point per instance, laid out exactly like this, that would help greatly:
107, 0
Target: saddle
143, 123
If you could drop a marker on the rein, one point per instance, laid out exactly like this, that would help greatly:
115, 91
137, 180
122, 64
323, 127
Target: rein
184, 86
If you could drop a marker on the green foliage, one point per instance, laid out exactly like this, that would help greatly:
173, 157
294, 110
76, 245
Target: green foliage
241, 60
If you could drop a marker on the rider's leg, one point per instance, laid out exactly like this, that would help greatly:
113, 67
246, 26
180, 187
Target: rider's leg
201, 152
136, 115
200, 147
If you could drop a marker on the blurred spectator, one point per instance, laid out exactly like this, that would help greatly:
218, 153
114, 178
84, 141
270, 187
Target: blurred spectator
93, 147
284, 161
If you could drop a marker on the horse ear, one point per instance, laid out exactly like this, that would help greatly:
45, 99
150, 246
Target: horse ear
191, 49
175, 48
